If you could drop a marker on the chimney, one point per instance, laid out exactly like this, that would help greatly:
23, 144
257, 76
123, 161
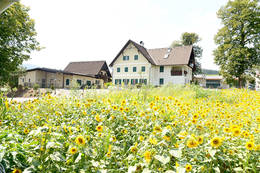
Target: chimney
142, 43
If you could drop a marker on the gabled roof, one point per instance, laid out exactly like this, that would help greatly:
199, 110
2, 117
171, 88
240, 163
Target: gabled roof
91, 68
175, 56
140, 48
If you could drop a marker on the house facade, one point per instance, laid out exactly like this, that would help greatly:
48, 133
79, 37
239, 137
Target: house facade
211, 81
135, 64
67, 78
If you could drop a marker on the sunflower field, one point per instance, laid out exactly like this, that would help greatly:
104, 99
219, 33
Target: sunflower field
167, 129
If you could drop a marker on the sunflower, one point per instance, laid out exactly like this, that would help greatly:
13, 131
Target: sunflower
26, 131
157, 129
147, 156
141, 138
250, 145
99, 128
216, 142
236, 131
80, 140
113, 139
188, 168
200, 139
153, 141
17, 171
133, 149
191, 143
73, 150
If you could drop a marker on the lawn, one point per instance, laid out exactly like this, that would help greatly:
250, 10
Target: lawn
167, 129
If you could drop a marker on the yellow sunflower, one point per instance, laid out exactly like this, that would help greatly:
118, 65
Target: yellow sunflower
216, 142
191, 143
99, 128
80, 140
250, 145
17, 171
147, 156
73, 150
26, 131
188, 168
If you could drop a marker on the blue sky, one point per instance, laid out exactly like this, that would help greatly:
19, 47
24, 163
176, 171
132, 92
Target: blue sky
84, 30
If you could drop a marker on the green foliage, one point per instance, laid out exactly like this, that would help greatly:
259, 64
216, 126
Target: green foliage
238, 40
191, 39
17, 40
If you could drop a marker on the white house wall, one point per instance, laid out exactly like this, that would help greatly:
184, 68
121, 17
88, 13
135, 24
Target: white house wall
131, 51
167, 77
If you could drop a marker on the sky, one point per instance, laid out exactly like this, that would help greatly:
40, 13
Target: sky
89, 30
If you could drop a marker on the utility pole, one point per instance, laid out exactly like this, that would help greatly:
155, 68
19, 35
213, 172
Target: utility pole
4, 4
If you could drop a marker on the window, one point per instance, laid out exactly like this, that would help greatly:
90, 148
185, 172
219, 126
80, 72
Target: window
126, 69
134, 69
67, 82
176, 71
97, 82
161, 68
136, 57
161, 81
143, 68
116, 81
29, 80
119, 80
125, 58
79, 82
136, 81
118, 69
88, 83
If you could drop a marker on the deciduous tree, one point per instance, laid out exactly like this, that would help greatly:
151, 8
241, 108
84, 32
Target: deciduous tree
238, 39
17, 40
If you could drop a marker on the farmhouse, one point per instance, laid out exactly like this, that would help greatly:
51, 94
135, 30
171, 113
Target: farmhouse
135, 64
85, 73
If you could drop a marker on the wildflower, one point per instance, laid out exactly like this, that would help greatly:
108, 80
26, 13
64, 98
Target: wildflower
17, 170
216, 142
99, 128
80, 140
188, 168
250, 145
147, 156
73, 150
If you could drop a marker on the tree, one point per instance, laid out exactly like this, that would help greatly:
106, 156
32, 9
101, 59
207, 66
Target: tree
191, 39
238, 40
17, 40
